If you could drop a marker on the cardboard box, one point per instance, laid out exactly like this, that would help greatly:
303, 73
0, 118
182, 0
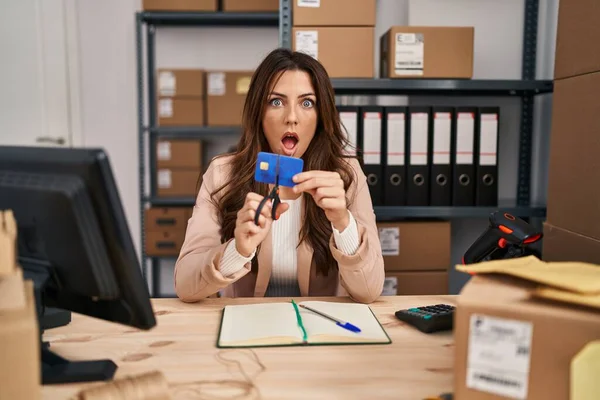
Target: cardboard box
187, 111
164, 243
180, 83
20, 372
177, 182
167, 218
415, 283
353, 60
573, 193
415, 246
334, 12
251, 5
179, 153
508, 342
179, 5
226, 95
562, 245
577, 38
427, 52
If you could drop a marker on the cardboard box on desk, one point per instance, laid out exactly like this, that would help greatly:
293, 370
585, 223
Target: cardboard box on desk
226, 95
516, 334
577, 37
354, 60
334, 13
19, 343
427, 52
250, 5
180, 5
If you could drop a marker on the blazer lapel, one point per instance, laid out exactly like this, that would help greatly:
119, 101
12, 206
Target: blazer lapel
304, 260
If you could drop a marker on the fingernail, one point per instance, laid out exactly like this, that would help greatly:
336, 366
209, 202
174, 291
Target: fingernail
295, 178
295, 189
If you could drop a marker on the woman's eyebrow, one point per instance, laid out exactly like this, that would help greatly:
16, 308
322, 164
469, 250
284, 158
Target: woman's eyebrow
285, 97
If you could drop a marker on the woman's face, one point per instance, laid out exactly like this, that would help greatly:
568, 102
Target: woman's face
290, 117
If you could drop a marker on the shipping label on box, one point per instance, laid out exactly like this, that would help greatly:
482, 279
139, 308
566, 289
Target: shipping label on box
499, 355
390, 241
410, 54
308, 42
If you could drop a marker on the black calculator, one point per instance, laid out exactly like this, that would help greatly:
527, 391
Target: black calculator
428, 319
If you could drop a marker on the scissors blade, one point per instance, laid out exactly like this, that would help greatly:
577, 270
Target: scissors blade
277, 172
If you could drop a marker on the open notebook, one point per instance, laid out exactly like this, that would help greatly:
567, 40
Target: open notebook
277, 324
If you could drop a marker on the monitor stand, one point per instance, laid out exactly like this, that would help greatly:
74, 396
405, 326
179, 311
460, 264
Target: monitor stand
56, 369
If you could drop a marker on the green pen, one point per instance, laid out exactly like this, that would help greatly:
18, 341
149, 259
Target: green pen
300, 324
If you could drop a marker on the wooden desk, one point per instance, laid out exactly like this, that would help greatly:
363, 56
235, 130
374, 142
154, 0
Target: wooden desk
182, 346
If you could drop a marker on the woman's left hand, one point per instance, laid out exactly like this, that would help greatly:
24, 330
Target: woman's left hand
327, 189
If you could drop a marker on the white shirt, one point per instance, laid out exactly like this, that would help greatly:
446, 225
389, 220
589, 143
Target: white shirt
285, 236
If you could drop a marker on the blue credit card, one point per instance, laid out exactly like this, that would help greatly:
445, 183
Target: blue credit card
266, 168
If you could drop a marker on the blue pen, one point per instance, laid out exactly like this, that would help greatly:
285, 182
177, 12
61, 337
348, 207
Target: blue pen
343, 324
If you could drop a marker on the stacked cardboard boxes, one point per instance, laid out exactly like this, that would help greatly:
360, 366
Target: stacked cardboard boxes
510, 342
212, 5
572, 231
180, 5
416, 257
338, 33
165, 230
180, 97
179, 165
193, 97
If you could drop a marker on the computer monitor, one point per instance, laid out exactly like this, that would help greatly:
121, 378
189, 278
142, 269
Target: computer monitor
74, 243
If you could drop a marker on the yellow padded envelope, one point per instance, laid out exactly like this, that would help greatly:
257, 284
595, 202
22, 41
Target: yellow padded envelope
585, 369
576, 277
568, 282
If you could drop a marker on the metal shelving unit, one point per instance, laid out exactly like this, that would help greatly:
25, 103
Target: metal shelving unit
526, 89
147, 24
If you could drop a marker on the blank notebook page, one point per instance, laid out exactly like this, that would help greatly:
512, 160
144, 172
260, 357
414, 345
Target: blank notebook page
359, 315
249, 322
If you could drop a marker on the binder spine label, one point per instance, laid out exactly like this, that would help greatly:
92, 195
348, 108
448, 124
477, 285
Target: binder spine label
349, 122
396, 129
465, 136
410, 52
418, 138
488, 142
372, 138
308, 42
441, 138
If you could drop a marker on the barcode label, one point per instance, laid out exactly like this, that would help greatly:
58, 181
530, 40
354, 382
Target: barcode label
499, 356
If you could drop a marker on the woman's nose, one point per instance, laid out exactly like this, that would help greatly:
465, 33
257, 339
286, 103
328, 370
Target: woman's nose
291, 115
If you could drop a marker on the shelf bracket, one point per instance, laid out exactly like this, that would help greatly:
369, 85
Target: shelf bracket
285, 24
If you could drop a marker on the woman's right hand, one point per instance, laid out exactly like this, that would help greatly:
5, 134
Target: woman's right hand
247, 234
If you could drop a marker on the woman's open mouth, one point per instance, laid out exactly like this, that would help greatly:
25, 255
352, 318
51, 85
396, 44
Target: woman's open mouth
289, 141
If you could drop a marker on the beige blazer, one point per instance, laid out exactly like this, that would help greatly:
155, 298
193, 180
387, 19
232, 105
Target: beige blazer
197, 275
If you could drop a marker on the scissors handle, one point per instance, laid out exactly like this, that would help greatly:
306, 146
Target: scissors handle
274, 195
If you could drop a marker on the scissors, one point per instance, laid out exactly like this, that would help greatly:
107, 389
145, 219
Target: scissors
274, 195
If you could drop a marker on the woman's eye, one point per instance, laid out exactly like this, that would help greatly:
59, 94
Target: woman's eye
276, 102
307, 103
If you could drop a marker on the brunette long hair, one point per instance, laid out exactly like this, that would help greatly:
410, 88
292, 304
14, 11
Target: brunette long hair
325, 152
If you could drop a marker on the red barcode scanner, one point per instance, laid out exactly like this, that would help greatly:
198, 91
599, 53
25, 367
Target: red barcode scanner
506, 237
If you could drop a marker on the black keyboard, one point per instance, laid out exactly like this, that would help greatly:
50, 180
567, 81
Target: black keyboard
428, 319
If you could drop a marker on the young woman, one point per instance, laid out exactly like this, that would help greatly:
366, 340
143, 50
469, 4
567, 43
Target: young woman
324, 239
